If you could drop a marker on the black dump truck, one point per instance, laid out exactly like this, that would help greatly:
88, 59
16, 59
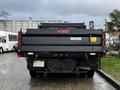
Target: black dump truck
62, 48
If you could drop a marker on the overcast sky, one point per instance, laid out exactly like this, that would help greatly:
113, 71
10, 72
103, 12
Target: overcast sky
70, 10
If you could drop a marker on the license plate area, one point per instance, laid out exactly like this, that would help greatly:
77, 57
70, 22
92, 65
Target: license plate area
39, 64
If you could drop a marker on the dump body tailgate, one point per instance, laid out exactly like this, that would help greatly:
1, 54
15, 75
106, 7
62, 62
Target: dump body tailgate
62, 40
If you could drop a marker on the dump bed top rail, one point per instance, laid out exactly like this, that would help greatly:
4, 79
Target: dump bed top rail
64, 31
62, 25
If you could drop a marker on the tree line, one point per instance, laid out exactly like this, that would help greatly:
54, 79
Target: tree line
114, 24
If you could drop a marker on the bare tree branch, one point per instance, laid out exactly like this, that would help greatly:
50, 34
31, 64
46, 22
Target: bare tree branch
4, 13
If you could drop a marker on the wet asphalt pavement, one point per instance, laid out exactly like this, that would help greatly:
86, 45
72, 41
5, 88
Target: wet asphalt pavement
15, 76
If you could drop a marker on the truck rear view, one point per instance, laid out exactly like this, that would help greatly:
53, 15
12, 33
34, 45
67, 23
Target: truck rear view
62, 48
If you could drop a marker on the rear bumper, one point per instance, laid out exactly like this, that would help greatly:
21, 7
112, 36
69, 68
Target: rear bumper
67, 72
56, 51
62, 49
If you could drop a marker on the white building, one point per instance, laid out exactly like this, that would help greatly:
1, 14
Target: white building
16, 25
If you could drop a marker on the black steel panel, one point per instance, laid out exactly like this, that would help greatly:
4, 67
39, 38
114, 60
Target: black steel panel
62, 48
59, 40
62, 25
72, 32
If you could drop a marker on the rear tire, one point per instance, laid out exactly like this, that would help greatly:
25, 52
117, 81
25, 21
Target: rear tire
82, 75
41, 75
1, 50
33, 74
90, 74
14, 49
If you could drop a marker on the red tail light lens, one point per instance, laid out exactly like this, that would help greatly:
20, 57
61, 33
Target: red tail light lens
19, 39
63, 31
103, 39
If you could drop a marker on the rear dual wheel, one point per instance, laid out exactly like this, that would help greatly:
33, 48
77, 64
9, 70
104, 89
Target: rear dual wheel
90, 73
34, 74
15, 49
83, 75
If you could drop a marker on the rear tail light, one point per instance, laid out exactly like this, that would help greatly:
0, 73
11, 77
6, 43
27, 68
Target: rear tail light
19, 54
103, 39
19, 39
103, 44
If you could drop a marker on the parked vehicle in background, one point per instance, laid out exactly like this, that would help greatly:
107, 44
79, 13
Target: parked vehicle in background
16, 48
8, 41
107, 41
119, 44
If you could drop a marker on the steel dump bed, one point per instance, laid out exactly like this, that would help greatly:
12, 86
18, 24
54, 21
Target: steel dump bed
62, 40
